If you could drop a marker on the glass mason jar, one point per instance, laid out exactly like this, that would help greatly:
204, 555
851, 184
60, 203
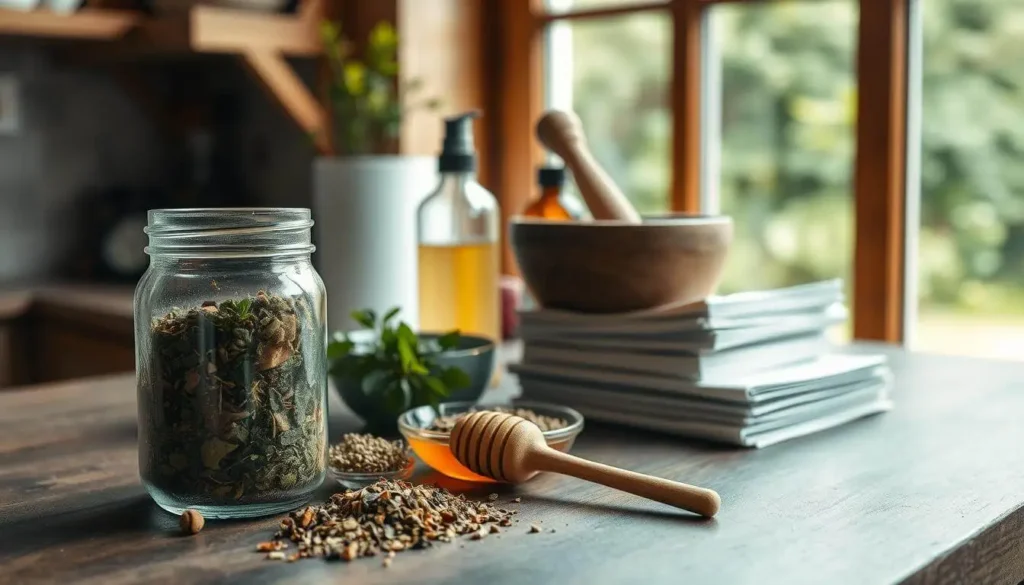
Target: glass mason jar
230, 343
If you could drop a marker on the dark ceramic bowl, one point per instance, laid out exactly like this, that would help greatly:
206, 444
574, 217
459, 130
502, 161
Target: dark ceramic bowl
474, 355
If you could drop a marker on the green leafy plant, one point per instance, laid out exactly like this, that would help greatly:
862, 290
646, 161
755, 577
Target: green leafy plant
368, 99
397, 368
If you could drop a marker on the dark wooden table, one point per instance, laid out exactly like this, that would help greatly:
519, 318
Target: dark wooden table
929, 493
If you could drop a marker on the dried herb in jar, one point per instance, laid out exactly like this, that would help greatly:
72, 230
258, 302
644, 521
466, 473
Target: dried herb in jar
236, 415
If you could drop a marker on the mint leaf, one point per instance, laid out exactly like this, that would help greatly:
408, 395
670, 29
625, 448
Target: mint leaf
407, 354
243, 308
390, 315
454, 378
339, 349
405, 332
367, 318
436, 386
449, 340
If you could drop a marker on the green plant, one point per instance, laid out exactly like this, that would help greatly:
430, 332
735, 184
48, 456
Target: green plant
366, 95
396, 369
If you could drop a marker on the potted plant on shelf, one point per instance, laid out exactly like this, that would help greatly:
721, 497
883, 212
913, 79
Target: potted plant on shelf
366, 195
386, 368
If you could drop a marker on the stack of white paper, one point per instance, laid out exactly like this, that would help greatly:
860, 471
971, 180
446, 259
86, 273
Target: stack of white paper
750, 369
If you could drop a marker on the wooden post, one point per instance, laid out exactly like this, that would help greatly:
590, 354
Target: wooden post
687, 44
521, 105
879, 178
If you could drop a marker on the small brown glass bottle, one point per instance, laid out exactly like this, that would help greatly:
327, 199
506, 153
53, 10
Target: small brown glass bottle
550, 204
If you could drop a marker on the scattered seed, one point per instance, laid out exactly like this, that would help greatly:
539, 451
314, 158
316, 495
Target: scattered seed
516, 500
387, 562
534, 528
552, 530
493, 497
275, 556
191, 522
495, 529
270, 546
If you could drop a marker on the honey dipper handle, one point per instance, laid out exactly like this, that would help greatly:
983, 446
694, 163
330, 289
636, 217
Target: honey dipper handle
687, 497
562, 133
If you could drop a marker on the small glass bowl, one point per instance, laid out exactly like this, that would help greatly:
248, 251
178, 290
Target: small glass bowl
355, 481
432, 446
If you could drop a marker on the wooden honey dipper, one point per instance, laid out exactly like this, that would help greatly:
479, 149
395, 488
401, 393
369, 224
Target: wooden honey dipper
512, 449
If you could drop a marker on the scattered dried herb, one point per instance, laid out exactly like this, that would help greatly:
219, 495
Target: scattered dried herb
386, 517
191, 522
362, 453
232, 409
445, 424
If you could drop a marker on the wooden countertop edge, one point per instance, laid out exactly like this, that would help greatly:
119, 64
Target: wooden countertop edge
93, 303
14, 304
45, 392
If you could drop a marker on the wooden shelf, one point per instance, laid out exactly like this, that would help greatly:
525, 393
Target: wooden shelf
260, 40
209, 29
84, 24
203, 29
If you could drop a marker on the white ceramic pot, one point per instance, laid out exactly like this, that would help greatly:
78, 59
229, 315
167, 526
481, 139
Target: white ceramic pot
365, 213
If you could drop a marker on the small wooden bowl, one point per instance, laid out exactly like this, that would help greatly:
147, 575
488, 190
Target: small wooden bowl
613, 267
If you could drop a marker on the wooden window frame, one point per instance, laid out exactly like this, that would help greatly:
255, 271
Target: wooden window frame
879, 173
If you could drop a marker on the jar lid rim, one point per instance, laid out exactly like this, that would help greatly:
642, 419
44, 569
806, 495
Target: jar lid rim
229, 231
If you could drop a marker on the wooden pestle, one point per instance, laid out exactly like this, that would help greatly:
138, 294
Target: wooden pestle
512, 449
562, 133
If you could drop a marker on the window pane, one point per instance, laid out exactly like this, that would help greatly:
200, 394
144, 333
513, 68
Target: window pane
786, 143
971, 244
562, 6
614, 73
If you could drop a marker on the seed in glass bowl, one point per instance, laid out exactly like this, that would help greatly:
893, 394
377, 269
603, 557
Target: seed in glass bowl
445, 424
362, 453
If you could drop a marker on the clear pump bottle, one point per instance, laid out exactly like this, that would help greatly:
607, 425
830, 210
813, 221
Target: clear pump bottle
458, 232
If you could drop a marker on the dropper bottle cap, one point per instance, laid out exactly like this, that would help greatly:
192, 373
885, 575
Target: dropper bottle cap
457, 152
551, 176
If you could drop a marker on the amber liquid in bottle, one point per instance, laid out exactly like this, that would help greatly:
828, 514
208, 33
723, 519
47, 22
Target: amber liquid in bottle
459, 289
548, 206
551, 204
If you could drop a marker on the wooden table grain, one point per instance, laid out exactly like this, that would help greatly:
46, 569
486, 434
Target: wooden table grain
929, 493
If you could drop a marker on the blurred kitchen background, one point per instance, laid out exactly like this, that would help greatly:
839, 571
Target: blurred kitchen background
109, 108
